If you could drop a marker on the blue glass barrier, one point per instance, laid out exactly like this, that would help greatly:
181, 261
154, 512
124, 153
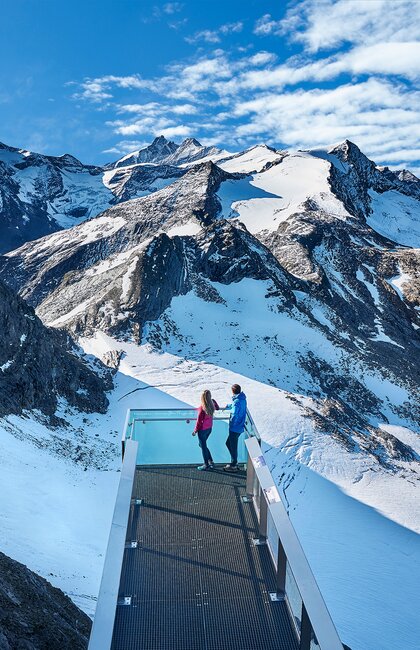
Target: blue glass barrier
164, 436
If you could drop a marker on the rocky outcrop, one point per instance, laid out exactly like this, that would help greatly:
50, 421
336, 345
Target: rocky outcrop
38, 366
352, 181
34, 615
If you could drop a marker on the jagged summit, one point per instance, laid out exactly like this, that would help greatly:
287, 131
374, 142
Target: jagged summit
155, 152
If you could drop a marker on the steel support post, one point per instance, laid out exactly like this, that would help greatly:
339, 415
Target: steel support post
250, 476
281, 571
262, 529
305, 630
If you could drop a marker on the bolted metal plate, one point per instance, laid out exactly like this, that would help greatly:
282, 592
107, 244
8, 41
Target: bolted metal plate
133, 544
275, 597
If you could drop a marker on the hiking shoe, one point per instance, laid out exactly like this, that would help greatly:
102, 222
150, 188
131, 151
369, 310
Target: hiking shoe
211, 466
203, 468
231, 468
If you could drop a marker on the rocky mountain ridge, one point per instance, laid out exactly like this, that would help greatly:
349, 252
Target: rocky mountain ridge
41, 194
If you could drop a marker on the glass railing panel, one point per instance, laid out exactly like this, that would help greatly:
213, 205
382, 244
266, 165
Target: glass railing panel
257, 494
314, 643
165, 438
293, 598
250, 428
272, 538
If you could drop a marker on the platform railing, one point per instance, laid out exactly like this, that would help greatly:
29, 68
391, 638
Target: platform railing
103, 622
164, 436
295, 582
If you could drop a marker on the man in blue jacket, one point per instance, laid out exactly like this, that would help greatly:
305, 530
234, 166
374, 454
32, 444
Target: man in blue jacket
236, 425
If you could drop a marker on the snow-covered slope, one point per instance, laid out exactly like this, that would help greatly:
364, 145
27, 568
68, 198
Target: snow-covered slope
278, 271
254, 159
298, 178
396, 217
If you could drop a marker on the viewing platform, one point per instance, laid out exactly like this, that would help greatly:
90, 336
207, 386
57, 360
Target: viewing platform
203, 560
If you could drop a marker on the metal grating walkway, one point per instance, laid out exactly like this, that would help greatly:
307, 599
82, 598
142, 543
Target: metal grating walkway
196, 580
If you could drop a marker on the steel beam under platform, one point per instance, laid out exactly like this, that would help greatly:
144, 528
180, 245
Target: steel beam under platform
192, 578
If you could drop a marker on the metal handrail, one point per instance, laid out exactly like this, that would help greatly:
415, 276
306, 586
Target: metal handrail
315, 617
216, 416
103, 622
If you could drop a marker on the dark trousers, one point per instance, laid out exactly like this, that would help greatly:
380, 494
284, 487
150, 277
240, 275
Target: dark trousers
202, 441
232, 445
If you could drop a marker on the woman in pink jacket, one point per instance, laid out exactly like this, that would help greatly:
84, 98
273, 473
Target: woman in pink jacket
204, 425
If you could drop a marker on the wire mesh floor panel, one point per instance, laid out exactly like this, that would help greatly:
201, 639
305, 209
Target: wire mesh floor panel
195, 579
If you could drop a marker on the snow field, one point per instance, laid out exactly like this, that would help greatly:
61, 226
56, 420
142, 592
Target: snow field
270, 197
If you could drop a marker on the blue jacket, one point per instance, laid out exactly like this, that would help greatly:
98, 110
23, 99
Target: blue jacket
238, 413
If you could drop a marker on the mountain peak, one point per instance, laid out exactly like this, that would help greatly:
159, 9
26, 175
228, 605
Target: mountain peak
155, 152
159, 139
161, 142
191, 141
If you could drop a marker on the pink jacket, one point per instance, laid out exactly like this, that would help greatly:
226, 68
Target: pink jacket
204, 421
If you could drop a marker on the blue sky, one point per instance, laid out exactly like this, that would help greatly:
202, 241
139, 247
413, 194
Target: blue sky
100, 78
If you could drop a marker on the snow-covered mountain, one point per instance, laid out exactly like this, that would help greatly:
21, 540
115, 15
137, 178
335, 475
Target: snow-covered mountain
164, 152
155, 153
43, 194
296, 275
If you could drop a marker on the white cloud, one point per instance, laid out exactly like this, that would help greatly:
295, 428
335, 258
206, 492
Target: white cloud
405, 154
92, 91
97, 89
126, 146
183, 109
262, 58
206, 35
150, 107
175, 131
384, 58
156, 108
323, 24
266, 26
380, 59
370, 113
172, 7
231, 28
358, 92
213, 35
143, 125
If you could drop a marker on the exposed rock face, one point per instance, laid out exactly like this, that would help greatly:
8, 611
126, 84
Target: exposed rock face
34, 615
127, 182
37, 365
352, 181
